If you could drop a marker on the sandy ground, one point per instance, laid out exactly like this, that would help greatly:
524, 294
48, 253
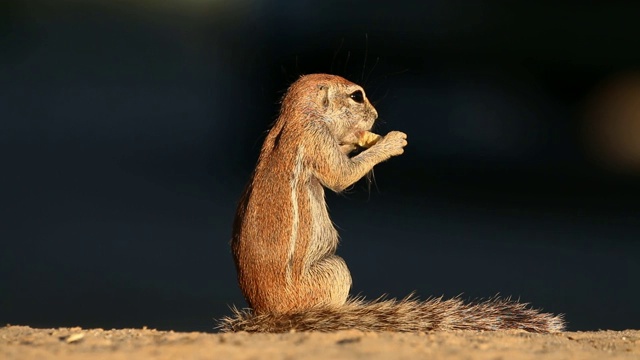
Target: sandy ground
22, 342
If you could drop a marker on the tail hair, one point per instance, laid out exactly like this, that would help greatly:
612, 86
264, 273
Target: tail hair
406, 315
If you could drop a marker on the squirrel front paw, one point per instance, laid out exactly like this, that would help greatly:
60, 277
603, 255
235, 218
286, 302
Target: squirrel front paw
393, 143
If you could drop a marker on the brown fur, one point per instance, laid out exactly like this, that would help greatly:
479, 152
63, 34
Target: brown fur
407, 315
284, 241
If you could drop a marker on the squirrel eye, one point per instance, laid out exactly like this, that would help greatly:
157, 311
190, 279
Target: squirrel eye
357, 96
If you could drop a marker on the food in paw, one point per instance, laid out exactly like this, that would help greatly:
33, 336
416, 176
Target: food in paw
367, 139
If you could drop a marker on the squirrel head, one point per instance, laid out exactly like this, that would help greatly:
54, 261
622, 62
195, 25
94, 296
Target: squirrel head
337, 102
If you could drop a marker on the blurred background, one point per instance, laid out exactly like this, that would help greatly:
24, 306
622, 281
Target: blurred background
128, 131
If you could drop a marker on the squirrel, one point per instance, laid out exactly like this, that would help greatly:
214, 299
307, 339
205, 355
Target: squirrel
284, 242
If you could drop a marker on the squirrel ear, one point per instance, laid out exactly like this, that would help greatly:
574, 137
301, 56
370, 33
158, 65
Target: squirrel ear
324, 95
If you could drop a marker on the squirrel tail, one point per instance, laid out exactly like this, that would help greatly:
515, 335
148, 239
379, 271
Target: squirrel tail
406, 315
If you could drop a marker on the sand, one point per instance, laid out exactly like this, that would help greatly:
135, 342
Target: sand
23, 342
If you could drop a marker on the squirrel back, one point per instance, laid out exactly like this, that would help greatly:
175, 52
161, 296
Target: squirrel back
284, 242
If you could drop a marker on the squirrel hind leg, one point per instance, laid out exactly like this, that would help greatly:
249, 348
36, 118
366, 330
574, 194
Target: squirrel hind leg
330, 278
326, 283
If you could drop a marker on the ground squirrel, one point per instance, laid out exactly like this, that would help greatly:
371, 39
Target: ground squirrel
284, 241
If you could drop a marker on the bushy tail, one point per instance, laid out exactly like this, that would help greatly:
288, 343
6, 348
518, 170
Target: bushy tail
406, 315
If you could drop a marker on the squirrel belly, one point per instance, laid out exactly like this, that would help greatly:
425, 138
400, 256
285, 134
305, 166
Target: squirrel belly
284, 242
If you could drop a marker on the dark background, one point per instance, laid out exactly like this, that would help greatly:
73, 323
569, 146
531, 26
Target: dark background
127, 133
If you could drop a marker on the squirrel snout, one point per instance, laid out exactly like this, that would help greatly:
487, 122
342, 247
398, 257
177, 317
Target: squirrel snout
374, 113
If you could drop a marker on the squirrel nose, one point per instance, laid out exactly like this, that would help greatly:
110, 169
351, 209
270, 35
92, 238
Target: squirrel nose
374, 112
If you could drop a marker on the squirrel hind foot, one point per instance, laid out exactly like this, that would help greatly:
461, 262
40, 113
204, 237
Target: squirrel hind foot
406, 315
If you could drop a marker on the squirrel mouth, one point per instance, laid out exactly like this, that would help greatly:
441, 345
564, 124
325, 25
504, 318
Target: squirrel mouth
351, 138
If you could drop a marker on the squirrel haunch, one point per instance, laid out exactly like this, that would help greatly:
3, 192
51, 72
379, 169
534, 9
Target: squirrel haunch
284, 241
